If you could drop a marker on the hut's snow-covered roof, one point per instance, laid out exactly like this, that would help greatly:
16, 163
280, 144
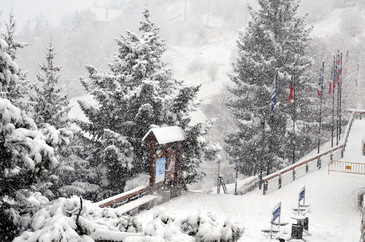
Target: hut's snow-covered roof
166, 135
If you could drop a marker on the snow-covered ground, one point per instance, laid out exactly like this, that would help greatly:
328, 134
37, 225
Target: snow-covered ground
353, 149
334, 198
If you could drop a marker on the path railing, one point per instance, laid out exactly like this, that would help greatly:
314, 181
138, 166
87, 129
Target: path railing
277, 179
346, 167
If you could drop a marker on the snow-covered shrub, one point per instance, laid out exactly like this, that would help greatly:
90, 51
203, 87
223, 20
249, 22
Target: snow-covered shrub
75, 219
16, 211
198, 226
26, 156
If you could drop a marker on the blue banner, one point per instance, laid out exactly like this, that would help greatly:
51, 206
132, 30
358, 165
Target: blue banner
276, 212
302, 194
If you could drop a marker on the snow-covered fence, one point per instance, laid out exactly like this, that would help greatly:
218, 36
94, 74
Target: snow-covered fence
297, 170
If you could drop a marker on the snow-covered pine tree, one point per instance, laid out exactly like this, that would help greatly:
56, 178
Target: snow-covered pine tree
17, 90
51, 105
27, 154
13, 45
139, 93
275, 41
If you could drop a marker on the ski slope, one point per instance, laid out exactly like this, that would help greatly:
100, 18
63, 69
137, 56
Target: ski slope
334, 198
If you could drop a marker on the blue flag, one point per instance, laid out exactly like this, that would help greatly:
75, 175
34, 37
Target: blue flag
276, 213
273, 98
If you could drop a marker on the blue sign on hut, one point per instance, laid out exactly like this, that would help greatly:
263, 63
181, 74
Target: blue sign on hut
164, 144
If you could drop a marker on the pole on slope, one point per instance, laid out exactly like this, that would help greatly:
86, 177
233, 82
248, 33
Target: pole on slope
333, 102
340, 89
338, 96
294, 104
320, 106
235, 184
262, 149
218, 182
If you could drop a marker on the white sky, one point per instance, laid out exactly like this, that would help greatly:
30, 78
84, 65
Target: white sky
52, 10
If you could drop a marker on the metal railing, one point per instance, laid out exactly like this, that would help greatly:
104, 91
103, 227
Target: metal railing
346, 167
292, 172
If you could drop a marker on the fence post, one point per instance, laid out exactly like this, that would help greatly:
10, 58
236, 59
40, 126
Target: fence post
319, 164
293, 174
306, 168
331, 156
279, 181
264, 188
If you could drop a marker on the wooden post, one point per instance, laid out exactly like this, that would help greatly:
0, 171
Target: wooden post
152, 164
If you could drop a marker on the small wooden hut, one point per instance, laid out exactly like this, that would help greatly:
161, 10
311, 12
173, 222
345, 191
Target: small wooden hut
164, 144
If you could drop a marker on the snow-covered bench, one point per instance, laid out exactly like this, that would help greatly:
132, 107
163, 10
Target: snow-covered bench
135, 204
138, 191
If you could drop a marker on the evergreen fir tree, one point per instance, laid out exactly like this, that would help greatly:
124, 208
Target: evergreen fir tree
75, 175
276, 40
13, 45
8, 72
17, 90
27, 155
51, 105
137, 95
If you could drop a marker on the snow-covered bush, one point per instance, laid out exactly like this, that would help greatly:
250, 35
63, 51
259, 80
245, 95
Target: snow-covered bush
26, 155
198, 226
75, 219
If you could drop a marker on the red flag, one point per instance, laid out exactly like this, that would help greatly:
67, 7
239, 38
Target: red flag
330, 89
291, 99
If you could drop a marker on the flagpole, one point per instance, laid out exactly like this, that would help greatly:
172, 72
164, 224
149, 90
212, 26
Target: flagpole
340, 89
262, 149
320, 106
294, 101
333, 101
273, 99
338, 98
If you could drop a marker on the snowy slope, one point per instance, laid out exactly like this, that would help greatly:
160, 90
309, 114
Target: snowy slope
334, 199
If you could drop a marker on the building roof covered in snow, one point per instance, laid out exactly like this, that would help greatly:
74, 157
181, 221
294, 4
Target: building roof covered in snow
166, 135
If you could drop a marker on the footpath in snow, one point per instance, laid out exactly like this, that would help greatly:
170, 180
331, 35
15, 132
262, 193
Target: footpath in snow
353, 151
334, 198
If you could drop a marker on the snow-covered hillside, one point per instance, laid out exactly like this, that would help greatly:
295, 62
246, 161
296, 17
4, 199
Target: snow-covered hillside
334, 201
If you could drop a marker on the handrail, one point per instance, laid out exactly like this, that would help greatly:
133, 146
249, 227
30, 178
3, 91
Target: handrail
292, 167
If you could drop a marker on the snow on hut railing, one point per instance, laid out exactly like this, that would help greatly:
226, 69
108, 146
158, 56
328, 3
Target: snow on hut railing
290, 173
